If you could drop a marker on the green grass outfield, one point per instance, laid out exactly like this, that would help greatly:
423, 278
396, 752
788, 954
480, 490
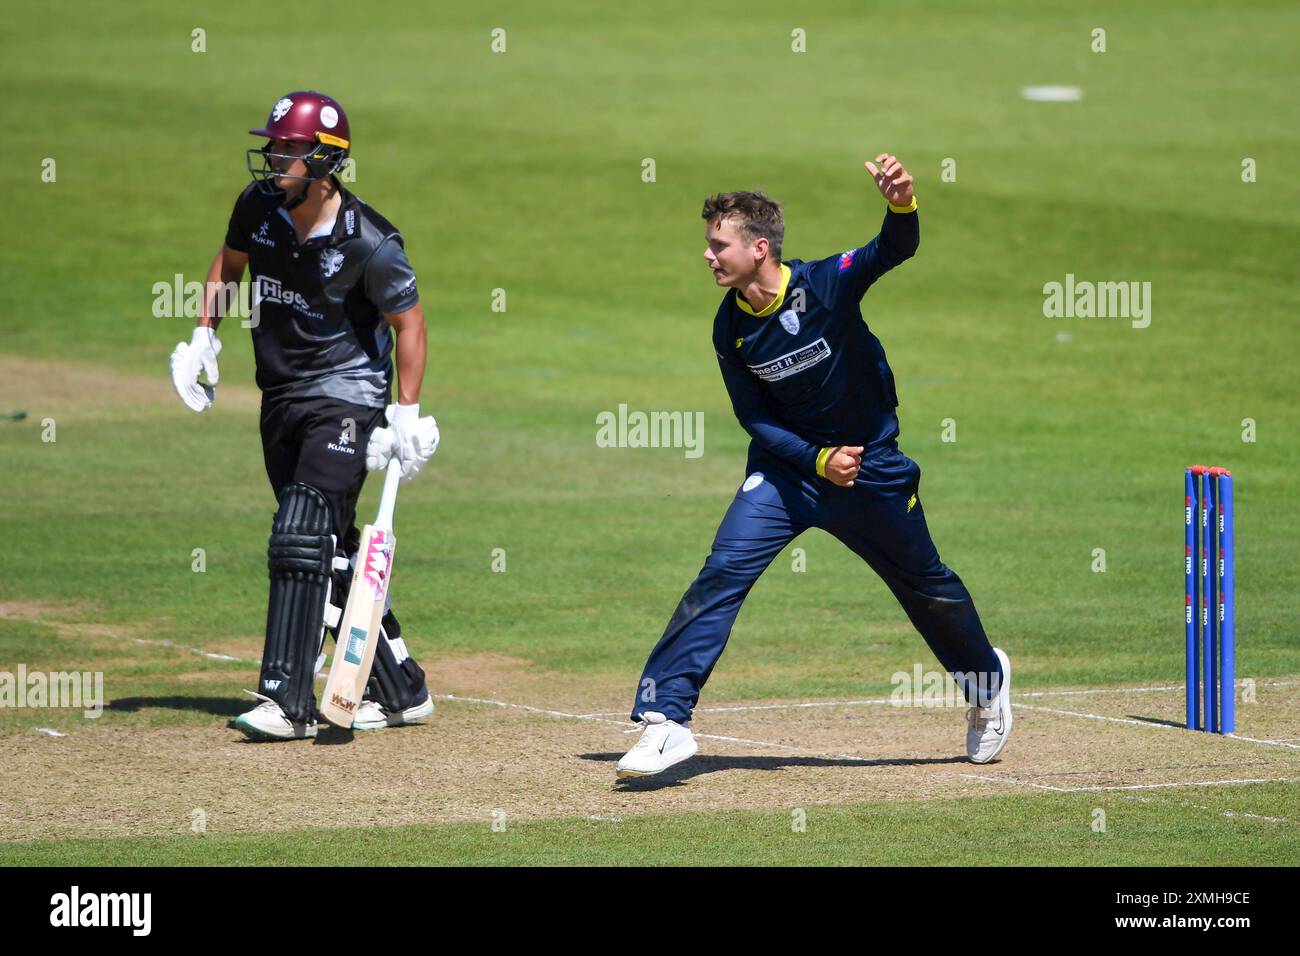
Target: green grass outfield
984, 831
522, 171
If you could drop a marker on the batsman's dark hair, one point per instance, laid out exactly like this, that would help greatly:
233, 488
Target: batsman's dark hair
756, 215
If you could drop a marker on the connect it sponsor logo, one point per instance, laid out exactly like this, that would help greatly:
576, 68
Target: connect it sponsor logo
792, 363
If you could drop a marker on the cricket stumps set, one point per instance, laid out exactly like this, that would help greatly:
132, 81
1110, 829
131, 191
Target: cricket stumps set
1209, 577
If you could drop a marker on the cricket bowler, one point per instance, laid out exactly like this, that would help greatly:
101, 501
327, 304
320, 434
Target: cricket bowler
810, 384
331, 283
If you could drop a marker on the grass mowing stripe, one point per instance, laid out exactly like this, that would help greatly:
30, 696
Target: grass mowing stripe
1056, 829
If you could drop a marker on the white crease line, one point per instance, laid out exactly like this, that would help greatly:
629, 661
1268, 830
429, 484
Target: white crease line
755, 743
1135, 786
533, 710
628, 724
1234, 813
755, 707
1145, 723
1162, 688
797, 751
50, 730
1154, 786
1271, 743
1094, 691
1115, 720
602, 717
197, 650
1194, 783
807, 704
1142, 690
1224, 813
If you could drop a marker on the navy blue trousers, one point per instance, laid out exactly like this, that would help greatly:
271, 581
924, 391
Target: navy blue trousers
880, 518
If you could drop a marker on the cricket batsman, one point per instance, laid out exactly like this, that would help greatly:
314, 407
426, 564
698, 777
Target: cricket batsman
810, 384
331, 283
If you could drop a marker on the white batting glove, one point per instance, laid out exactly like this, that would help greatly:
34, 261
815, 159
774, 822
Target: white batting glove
188, 360
381, 445
379, 449
408, 436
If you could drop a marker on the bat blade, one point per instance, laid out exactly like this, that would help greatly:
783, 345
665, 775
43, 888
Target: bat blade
359, 625
359, 628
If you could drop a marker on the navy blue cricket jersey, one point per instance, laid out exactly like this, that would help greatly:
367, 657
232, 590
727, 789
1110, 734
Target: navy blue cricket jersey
806, 373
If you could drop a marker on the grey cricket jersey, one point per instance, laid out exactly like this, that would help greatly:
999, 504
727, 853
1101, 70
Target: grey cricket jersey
319, 326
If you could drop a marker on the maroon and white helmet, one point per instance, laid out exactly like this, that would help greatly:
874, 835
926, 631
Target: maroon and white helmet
304, 117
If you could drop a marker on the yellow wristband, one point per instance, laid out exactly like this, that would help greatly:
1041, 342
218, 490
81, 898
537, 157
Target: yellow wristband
910, 207
823, 456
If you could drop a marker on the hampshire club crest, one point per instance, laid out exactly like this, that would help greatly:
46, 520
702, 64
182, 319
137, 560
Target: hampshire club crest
331, 261
789, 321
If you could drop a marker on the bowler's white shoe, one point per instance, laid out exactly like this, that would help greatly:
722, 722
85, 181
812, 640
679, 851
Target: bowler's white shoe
989, 727
267, 721
663, 743
372, 715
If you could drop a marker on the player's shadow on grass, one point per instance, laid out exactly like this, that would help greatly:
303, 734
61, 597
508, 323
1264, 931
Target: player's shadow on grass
1158, 721
220, 706
698, 765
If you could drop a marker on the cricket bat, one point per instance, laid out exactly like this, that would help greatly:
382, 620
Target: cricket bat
359, 625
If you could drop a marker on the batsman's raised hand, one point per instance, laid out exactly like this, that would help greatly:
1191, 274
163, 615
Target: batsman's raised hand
893, 181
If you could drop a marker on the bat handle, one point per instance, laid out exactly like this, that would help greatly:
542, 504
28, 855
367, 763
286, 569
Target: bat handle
388, 498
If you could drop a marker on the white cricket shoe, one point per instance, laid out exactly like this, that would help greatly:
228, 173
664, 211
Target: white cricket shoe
989, 727
267, 721
372, 715
663, 743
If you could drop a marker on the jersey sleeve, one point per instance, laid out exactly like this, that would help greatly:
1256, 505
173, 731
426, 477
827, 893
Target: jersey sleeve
240, 228
752, 413
390, 280
853, 272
